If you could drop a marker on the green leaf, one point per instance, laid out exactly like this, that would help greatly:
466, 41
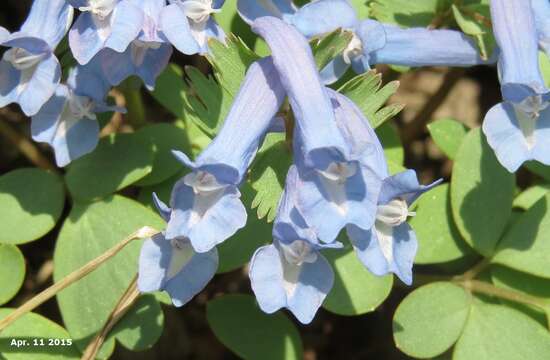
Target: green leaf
31, 201
268, 175
367, 93
88, 232
481, 193
391, 142
119, 161
238, 249
526, 245
474, 19
240, 325
328, 47
361, 8
163, 191
356, 290
497, 332
527, 284
408, 13
170, 89
231, 22
35, 330
540, 169
12, 271
438, 238
544, 63
530, 196
448, 135
430, 319
165, 138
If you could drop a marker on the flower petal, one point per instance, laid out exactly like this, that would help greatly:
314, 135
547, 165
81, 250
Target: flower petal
403, 185
175, 26
323, 16
84, 37
162, 208
48, 20
126, 23
334, 70
541, 10
41, 86
251, 10
266, 278
9, 81
316, 124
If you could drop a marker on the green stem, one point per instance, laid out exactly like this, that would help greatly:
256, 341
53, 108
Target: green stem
134, 105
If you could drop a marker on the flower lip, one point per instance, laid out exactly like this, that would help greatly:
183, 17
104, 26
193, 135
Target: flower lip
394, 213
339, 171
22, 59
100, 8
299, 252
82, 107
354, 50
198, 10
203, 182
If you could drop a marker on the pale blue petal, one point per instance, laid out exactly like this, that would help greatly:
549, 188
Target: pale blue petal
314, 283
154, 63
41, 85
84, 38
323, 16
154, 260
257, 102
403, 185
315, 121
266, 278
4, 34
161, 207
516, 36
89, 80
405, 246
423, 47
368, 250
126, 23
541, 10
117, 66
175, 27
9, 81
334, 70
250, 10
541, 151
206, 220
48, 20
32, 44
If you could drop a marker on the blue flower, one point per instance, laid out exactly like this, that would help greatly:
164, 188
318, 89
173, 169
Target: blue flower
541, 10
146, 56
173, 266
206, 202
68, 119
390, 246
188, 24
518, 128
112, 24
339, 177
291, 273
29, 71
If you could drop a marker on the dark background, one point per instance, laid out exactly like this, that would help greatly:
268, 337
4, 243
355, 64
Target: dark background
429, 94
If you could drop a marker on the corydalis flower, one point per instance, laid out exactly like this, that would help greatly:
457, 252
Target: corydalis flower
518, 129
188, 24
390, 246
112, 24
29, 71
541, 10
68, 120
291, 273
337, 185
146, 56
206, 202
173, 266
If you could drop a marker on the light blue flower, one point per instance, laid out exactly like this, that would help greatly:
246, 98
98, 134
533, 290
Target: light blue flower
291, 273
517, 129
173, 266
29, 71
390, 246
339, 178
541, 10
111, 24
206, 203
188, 24
68, 119
146, 56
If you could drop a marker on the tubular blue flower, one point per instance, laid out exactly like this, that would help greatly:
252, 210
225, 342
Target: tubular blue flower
68, 120
314, 18
291, 273
339, 184
188, 24
517, 129
146, 56
206, 205
390, 246
111, 24
29, 71
541, 10
173, 266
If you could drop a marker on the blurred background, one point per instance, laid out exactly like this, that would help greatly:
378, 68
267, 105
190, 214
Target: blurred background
429, 94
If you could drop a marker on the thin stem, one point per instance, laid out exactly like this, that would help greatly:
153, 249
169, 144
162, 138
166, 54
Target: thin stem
76, 275
475, 270
134, 104
125, 303
27, 148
